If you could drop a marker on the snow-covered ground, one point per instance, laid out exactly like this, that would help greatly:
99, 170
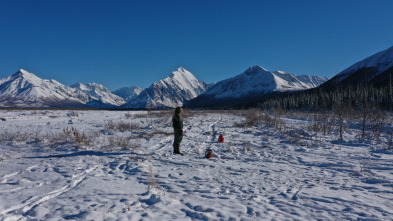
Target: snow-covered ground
123, 168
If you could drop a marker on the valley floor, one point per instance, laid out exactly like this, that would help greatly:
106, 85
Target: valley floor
113, 165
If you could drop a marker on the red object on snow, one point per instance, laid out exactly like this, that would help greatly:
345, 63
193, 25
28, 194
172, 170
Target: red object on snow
221, 139
209, 153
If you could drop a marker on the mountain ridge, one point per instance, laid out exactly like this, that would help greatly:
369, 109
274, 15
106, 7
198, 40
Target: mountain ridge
178, 89
375, 69
253, 85
25, 89
173, 91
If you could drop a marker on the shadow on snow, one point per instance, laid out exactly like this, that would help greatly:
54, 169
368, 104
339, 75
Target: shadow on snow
81, 153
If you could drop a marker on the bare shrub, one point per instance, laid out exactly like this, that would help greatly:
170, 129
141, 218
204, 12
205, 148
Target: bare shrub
57, 139
15, 136
252, 117
297, 136
72, 136
152, 181
110, 125
37, 134
128, 115
377, 118
247, 148
79, 137
73, 114
124, 143
317, 123
121, 126
328, 122
269, 120
151, 134
75, 136
141, 115
256, 116
390, 139
159, 117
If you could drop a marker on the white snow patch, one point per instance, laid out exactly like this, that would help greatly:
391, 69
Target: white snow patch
258, 173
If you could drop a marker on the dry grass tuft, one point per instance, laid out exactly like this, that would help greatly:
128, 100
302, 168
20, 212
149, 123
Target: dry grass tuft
122, 126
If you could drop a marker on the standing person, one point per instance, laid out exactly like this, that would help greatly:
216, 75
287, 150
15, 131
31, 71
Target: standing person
178, 129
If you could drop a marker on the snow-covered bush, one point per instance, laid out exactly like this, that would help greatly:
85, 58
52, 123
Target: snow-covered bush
15, 136
152, 181
73, 114
72, 136
252, 117
122, 126
123, 143
128, 115
377, 123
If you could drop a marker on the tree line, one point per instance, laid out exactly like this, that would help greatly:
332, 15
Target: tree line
349, 98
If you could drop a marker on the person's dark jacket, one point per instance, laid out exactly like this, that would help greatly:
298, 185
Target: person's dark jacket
177, 122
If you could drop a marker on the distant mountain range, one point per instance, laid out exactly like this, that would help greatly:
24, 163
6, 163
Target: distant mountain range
128, 93
181, 87
24, 89
100, 93
252, 85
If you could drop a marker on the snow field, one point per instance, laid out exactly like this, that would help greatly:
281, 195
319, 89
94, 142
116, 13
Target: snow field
261, 172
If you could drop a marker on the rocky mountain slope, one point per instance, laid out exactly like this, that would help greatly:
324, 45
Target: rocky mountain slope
127, 93
253, 85
375, 70
175, 90
100, 93
24, 89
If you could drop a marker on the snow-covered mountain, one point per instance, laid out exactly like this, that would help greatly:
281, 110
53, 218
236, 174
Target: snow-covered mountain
24, 89
127, 93
252, 85
374, 69
100, 93
175, 90
307, 81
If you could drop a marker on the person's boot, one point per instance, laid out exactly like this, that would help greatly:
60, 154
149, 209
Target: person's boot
177, 149
174, 149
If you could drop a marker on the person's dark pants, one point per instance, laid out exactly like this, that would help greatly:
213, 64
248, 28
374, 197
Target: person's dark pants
177, 141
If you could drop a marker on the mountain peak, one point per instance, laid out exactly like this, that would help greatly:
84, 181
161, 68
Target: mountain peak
23, 73
181, 69
183, 76
173, 91
27, 76
255, 69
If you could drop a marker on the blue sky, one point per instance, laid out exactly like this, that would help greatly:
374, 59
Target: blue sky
123, 43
